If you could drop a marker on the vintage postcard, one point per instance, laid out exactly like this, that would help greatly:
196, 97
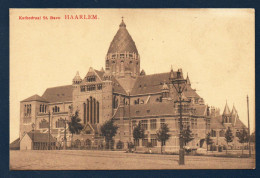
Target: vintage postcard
132, 89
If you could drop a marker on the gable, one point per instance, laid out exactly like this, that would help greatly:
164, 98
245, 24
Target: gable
93, 76
26, 137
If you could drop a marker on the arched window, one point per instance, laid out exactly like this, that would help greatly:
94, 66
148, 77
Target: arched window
45, 108
28, 109
44, 124
213, 133
25, 109
53, 109
221, 133
40, 108
97, 112
60, 123
58, 109
116, 103
92, 110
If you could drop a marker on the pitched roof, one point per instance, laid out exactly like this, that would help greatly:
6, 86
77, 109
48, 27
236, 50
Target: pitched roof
41, 137
117, 88
35, 98
15, 144
150, 83
165, 87
239, 123
188, 80
200, 110
58, 94
157, 109
100, 73
153, 84
216, 123
190, 93
122, 41
234, 111
77, 77
142, 110
226, 110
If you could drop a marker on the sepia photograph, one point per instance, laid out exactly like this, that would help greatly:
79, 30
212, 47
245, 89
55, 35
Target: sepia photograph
132, 89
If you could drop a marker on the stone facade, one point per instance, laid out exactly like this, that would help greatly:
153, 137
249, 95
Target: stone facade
122, 93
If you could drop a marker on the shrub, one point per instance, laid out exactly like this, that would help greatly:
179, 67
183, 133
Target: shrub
119, 145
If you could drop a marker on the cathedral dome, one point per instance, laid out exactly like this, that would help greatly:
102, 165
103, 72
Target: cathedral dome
122, 41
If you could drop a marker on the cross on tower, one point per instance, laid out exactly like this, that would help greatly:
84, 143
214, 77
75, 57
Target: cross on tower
122, 18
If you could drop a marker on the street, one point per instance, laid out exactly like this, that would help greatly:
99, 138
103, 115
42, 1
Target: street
117, 160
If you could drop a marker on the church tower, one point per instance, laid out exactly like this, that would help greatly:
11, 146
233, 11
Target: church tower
226, 119
122, 57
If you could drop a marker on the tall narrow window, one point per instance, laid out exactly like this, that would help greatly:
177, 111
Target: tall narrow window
84, 108
25, 109
107, 63
91, 109
145, 140
87, 110
162, 121
97, 112
94, 102
153, 140
153, 124
144, 124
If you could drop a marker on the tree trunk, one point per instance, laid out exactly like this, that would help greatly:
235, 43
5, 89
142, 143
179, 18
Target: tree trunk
242, 149
226, 148
71, 140
161, 147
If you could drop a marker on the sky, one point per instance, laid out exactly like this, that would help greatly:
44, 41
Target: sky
216, 47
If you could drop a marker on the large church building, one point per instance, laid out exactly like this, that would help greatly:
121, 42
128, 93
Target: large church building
127, 95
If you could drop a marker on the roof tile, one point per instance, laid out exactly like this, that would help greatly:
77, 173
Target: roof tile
58, 94
35, 98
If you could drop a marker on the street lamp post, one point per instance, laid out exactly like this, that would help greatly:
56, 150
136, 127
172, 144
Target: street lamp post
129, 120
179, 84
65, 137
33, 125
249, 149
49, 131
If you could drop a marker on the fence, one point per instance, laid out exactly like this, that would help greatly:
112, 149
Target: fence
91, 145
